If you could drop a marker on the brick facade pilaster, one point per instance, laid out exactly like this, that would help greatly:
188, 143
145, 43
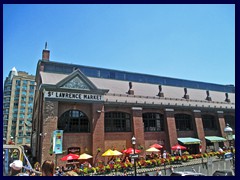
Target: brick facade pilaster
138, 126
221, 121
199, 128
50, 120
222, 125
170, 126
97, 131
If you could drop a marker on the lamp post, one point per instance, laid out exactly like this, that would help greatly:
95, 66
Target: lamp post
134, 143
229, 136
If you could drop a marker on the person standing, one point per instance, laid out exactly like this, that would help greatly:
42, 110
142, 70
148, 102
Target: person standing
48, 168
16, 167
164, 154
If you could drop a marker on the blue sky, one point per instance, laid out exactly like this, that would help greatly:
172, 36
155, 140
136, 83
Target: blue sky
193, 42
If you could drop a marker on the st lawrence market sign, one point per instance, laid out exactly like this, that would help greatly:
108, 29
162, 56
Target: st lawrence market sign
74, 96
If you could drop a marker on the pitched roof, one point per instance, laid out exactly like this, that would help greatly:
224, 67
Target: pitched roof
145, 93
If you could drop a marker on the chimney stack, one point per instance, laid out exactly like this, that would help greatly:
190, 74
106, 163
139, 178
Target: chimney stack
45, 53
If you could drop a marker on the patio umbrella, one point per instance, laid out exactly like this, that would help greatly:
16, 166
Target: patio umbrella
152, 149
70, 157
85, 156
110, 152
158, 146
178, 147
117, 153
131, 151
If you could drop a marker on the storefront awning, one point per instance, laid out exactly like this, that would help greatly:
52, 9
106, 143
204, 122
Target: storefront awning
189, 140
215, 138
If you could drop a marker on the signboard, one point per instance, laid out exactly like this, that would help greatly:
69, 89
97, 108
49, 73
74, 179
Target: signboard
134, 156
74, 150
73, 96
57, 141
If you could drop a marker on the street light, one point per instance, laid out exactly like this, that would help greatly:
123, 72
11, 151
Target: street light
229, 136
134, 143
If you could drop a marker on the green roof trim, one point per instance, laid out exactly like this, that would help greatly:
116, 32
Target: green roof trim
215, 138
189, 140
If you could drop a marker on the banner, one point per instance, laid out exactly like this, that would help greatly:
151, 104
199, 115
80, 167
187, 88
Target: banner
57, 141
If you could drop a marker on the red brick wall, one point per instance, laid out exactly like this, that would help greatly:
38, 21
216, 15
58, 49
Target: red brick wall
222, 125
49, 124
138, 127
199, 129
98, 135
170, 128
97, 138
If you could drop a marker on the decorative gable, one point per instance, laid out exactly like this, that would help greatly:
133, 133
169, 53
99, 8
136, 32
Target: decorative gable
75, 87
76, 83
76, 80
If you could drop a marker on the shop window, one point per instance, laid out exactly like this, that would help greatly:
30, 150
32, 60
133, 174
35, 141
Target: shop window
183, 122
153, 122
73, 121
209, 122
117, 122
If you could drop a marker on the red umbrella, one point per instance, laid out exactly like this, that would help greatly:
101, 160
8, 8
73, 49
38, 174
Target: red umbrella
158, 146
178, 147
131, 151
70, 157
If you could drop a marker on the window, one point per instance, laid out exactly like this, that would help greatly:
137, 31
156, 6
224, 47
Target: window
183, 122
7, 93
153, 122
28, 140
229, 119
20, 140
25, 82
18, 82
31, 87
24, 88
209, 122
117, 122
73, 121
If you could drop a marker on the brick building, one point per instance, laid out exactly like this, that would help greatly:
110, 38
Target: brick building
102, 108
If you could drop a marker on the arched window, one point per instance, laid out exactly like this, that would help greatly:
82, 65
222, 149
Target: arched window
73, 121
229, 119
209, 122
153, 122
117, 122
183, 122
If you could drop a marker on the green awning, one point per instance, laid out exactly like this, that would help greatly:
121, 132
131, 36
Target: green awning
189, 140
215, 138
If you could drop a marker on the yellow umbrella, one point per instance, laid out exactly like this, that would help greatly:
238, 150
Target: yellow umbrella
85, 156
117, 153
110, 152
152, 149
